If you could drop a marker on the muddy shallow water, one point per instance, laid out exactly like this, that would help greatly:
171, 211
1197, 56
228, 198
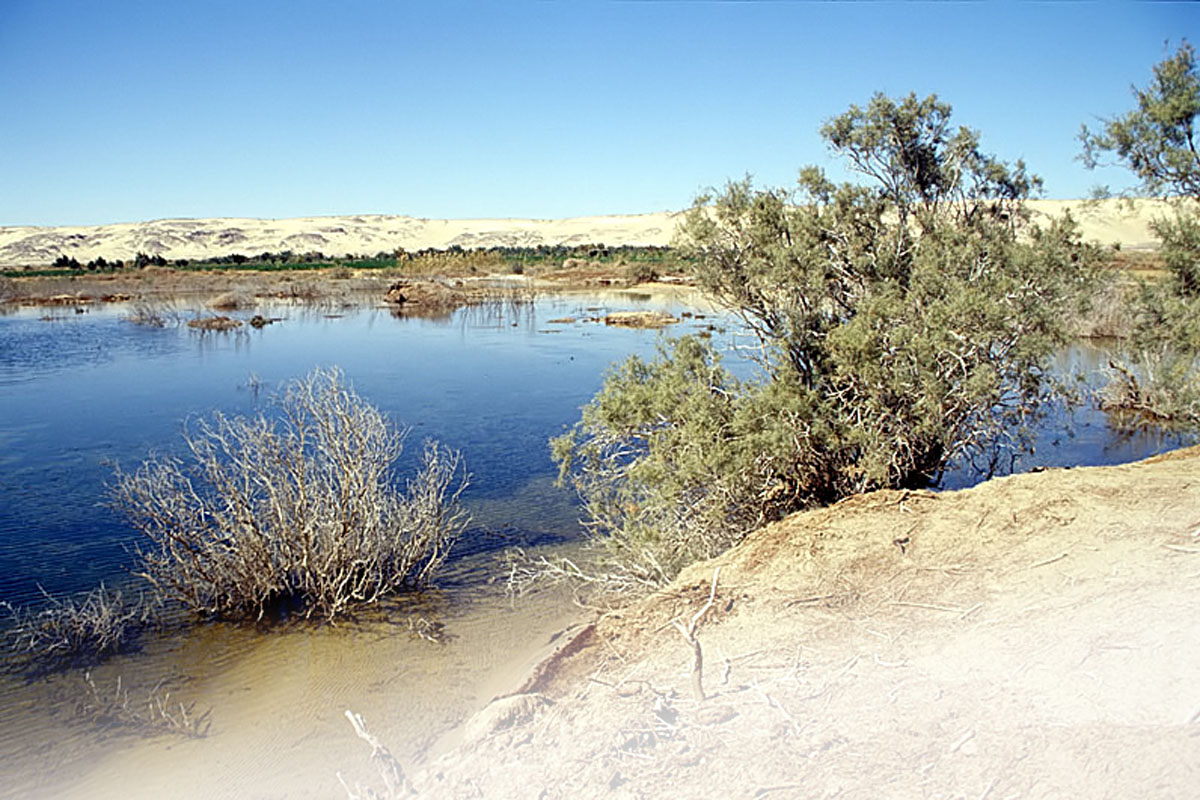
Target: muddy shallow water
80, 391
277, 701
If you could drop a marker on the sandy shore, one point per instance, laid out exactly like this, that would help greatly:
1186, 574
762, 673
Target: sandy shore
1036, 636
1108, 222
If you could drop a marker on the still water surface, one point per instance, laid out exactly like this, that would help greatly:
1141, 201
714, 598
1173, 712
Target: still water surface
83, 391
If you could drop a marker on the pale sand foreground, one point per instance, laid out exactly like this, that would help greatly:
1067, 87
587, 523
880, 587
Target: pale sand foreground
1108, 222
1036, 636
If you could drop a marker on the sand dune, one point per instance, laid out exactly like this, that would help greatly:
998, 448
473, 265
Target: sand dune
1107, 222
333, 236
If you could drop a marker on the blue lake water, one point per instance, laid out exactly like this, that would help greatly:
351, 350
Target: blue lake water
83, 391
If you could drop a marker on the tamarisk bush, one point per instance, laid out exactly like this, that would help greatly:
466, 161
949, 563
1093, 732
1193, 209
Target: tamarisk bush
295, 512
902, 323
1156, 141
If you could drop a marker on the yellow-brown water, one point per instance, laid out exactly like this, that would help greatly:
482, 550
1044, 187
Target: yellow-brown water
277, 703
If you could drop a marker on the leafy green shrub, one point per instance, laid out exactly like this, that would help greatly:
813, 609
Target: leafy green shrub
1156, 141
903, 324
294, 513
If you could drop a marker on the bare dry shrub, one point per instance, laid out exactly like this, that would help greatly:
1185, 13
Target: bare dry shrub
304, 290
154, 715
600, 576
1156, 387
83, 629
218, 323
1112, 313
154, 313
297, 512
231, 301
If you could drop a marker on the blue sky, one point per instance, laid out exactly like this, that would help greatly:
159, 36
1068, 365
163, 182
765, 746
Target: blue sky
124, 111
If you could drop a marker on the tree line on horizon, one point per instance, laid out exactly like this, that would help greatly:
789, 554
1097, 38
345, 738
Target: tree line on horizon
397, 257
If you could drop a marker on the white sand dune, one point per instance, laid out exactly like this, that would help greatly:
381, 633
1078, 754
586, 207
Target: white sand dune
1108, 222
333, 236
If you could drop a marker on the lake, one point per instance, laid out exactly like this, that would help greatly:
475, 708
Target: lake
80, 392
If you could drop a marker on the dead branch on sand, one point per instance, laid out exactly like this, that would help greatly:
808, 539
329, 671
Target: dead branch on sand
689, 636
394, 780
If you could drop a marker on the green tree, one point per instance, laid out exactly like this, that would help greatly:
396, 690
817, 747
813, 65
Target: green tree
901, 323
1157, 142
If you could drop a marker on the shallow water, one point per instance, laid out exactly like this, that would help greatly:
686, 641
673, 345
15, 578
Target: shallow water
82, 391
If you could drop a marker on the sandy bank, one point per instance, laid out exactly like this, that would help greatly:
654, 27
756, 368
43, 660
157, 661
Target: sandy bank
1035, 636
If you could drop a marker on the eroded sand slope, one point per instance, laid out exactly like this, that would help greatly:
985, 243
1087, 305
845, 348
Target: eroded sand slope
1037, 636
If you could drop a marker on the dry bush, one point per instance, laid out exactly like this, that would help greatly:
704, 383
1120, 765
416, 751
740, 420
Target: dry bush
1158, 387
1112, 313
82, 629
154, 313
305, 290
295, 513
218, 323
231, 301
154, 715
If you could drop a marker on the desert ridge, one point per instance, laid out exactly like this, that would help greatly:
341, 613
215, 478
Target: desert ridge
332, 236
1114, 221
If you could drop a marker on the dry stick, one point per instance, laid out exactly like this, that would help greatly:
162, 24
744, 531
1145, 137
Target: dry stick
1179, 549
970, 611
814, 599
773, 703
1058, 557
689, 636
389, 768
930, 606
765, 790
968, 736
883, 663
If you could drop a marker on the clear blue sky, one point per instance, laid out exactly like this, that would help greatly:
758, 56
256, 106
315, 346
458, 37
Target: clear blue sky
124, 111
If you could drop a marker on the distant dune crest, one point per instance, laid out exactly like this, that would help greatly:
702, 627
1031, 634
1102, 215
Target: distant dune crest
1108, 221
